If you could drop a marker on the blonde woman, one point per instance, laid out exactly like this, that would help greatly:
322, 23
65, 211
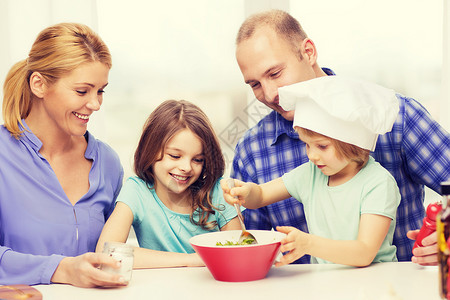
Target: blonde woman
57, 182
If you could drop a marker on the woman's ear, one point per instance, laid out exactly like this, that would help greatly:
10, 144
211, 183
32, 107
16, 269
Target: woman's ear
37, 84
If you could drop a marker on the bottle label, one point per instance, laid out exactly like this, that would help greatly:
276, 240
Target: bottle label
443, 254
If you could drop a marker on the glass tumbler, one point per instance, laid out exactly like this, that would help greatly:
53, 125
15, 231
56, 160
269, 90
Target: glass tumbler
123, 253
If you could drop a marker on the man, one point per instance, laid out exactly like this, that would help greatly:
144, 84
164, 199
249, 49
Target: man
274, 51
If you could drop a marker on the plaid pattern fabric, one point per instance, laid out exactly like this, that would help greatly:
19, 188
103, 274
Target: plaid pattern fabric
416, 152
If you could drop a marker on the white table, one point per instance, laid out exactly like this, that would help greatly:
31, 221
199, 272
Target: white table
384, 281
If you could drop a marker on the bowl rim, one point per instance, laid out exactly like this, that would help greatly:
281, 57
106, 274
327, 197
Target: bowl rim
278, 234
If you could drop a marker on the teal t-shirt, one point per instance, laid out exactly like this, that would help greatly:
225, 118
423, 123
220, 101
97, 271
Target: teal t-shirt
334, 212
160, 228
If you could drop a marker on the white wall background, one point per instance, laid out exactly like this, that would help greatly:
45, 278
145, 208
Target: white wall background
180, 49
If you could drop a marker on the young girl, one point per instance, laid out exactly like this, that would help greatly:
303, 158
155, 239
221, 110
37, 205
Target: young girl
350, 201
176, 193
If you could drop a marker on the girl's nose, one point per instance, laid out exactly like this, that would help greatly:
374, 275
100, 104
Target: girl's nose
185, 165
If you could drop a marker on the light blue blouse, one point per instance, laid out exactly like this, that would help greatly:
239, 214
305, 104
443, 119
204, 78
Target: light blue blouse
160, 228
38, 224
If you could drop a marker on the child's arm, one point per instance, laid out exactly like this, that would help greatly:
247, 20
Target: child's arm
148, 258
360, 252
232, 225
117, 229
252, 195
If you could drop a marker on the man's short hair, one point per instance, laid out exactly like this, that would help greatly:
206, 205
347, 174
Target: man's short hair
286, 26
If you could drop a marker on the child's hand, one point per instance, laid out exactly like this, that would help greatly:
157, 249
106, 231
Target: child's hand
294, 244
195, 260
238, 194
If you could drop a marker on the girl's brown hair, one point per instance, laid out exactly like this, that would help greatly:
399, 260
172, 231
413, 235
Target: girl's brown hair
343, 150
163, 123
56, 52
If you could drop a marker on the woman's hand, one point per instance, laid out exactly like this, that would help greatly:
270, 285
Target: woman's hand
83, 271
426, 255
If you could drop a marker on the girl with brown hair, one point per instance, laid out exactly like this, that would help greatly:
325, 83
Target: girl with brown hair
176, 193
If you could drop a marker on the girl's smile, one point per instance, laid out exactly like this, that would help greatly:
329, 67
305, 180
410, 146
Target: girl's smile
179, 178
181, 166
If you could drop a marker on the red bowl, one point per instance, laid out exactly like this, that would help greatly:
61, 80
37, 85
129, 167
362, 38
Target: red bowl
238, 263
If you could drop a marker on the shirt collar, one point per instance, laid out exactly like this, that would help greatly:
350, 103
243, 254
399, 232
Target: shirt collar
283, 126
328, 71
29, 137
35, 143
92, 145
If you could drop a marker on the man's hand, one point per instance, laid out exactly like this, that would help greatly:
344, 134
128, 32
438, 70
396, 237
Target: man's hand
426, 255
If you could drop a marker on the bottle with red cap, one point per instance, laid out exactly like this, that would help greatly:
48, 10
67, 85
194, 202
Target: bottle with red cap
429, 223
443, 233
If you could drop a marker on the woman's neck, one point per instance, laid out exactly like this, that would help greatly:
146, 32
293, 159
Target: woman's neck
54, 141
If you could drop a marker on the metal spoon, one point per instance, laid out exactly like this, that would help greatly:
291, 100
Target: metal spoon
246, 237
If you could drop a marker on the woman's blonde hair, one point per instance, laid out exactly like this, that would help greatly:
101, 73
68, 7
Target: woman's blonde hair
56, 52
343, 150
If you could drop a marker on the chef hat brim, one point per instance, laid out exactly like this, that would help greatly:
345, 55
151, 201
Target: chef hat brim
348, 110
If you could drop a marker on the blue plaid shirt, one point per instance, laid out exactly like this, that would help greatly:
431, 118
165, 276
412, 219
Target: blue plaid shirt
416, 152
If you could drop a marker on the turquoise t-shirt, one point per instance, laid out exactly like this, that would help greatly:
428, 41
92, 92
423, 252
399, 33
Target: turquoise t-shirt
160, 228
334, 212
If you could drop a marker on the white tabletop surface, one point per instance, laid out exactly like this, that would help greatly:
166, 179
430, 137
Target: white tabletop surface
381, 281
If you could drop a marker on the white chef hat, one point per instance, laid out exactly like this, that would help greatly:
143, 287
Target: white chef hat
345, 109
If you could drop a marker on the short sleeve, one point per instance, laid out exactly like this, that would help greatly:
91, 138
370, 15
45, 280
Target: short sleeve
381, 197
132, 194
297, 180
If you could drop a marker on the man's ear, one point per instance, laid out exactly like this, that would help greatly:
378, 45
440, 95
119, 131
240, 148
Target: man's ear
309, 51
37, 84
